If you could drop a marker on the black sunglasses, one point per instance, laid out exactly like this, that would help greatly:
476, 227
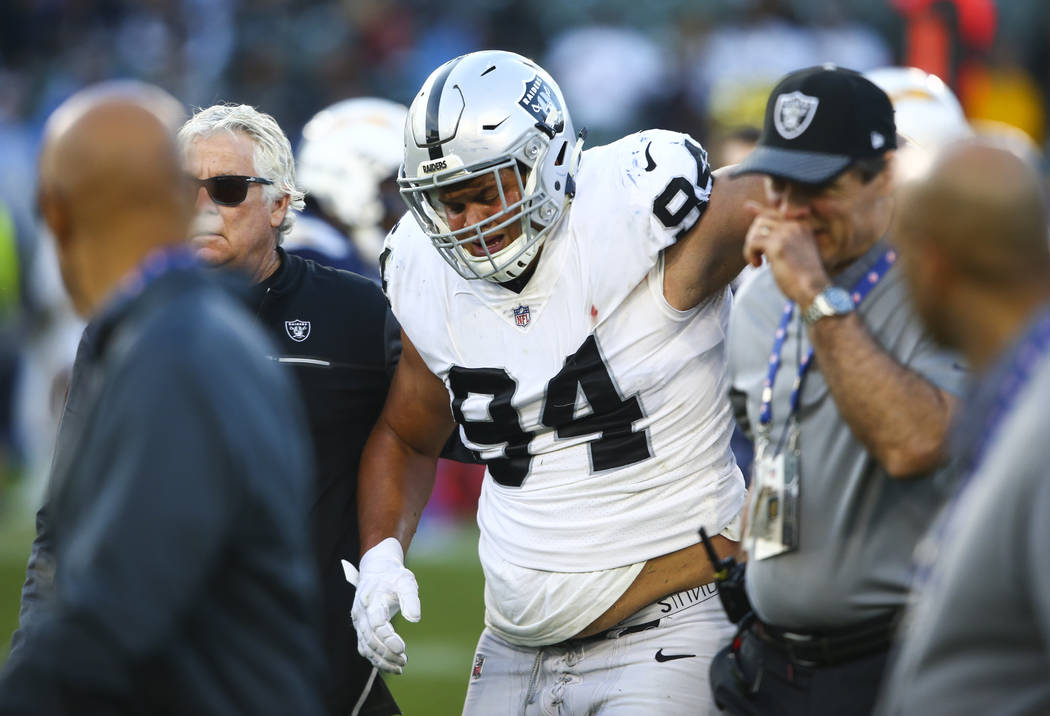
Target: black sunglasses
227, 190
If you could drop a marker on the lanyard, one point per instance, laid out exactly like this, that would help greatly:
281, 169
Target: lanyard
1027, 353
859, 292
1004, 384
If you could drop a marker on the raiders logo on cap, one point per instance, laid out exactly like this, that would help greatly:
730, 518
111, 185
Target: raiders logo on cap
818, 122
793, 113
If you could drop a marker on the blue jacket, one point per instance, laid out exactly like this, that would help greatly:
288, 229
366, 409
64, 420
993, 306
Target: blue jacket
177, 517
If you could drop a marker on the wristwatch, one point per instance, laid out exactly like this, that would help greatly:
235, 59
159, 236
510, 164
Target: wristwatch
832, 301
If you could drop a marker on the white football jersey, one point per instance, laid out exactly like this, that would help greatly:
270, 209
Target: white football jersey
600, 410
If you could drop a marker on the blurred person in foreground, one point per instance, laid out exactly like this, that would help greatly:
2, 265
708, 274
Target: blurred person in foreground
181, 574
972, 232
347, 164
848, 400
330, 329
567, 311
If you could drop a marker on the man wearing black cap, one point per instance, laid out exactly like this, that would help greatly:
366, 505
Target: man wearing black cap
848, 402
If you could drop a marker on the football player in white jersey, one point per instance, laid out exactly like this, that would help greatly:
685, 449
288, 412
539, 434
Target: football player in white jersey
571, 322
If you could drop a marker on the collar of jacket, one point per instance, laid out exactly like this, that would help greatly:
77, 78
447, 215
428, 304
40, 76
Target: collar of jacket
284, 279
100, 329
122, 307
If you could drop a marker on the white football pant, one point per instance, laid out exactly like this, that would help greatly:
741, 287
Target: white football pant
661, 669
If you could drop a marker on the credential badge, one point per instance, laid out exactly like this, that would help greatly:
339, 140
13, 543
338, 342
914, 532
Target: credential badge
521, 316
793, 113
298, 331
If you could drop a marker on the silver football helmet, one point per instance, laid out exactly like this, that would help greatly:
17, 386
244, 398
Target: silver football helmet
478, 114
348, 150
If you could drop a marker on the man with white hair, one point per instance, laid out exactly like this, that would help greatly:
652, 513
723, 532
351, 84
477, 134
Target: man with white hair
331, 330
334, 331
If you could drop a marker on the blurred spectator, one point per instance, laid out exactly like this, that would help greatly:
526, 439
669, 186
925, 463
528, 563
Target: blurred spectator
732, 146
947, 38
611, 74
179, 578
969, 650
347, 164
1003, 91
736, 64
925, 111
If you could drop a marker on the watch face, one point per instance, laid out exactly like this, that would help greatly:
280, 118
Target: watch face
839, 299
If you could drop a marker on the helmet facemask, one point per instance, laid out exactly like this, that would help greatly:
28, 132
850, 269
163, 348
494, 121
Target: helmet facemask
536, 212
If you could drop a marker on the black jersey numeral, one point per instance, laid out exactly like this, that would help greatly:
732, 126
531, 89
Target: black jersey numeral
503, 427
610, 414
607, 413
687, 189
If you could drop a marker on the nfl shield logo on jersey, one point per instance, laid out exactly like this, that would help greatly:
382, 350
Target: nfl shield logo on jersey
298, 331
793, 112
521, 316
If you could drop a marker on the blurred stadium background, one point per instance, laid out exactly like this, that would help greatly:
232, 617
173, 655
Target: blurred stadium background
701, 66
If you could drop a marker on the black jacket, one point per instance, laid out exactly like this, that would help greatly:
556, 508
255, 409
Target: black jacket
176, 509
336, 334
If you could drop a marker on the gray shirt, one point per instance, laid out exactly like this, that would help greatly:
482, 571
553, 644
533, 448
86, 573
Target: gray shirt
977, 641
858, 525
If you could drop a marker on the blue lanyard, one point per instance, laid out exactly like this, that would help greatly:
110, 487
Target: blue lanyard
989, 410
861, 289
1027, 353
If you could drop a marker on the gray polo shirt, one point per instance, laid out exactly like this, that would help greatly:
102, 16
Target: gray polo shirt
858, 526
978, 639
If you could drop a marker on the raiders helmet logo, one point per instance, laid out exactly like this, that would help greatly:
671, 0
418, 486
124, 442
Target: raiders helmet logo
540, 101
298, 331
793, 113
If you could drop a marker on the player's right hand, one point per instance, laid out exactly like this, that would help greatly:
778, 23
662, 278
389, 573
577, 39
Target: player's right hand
386, 586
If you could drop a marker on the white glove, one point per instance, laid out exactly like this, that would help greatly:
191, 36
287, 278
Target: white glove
386, 587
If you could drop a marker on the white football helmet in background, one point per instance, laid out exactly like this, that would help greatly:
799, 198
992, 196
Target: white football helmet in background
348, 150
925, 110
480, 113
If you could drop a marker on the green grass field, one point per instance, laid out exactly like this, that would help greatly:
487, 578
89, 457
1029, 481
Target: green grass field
440, 646
16, 534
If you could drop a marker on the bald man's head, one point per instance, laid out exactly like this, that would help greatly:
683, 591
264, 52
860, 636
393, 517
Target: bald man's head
985, 209
972, 233
111, 183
